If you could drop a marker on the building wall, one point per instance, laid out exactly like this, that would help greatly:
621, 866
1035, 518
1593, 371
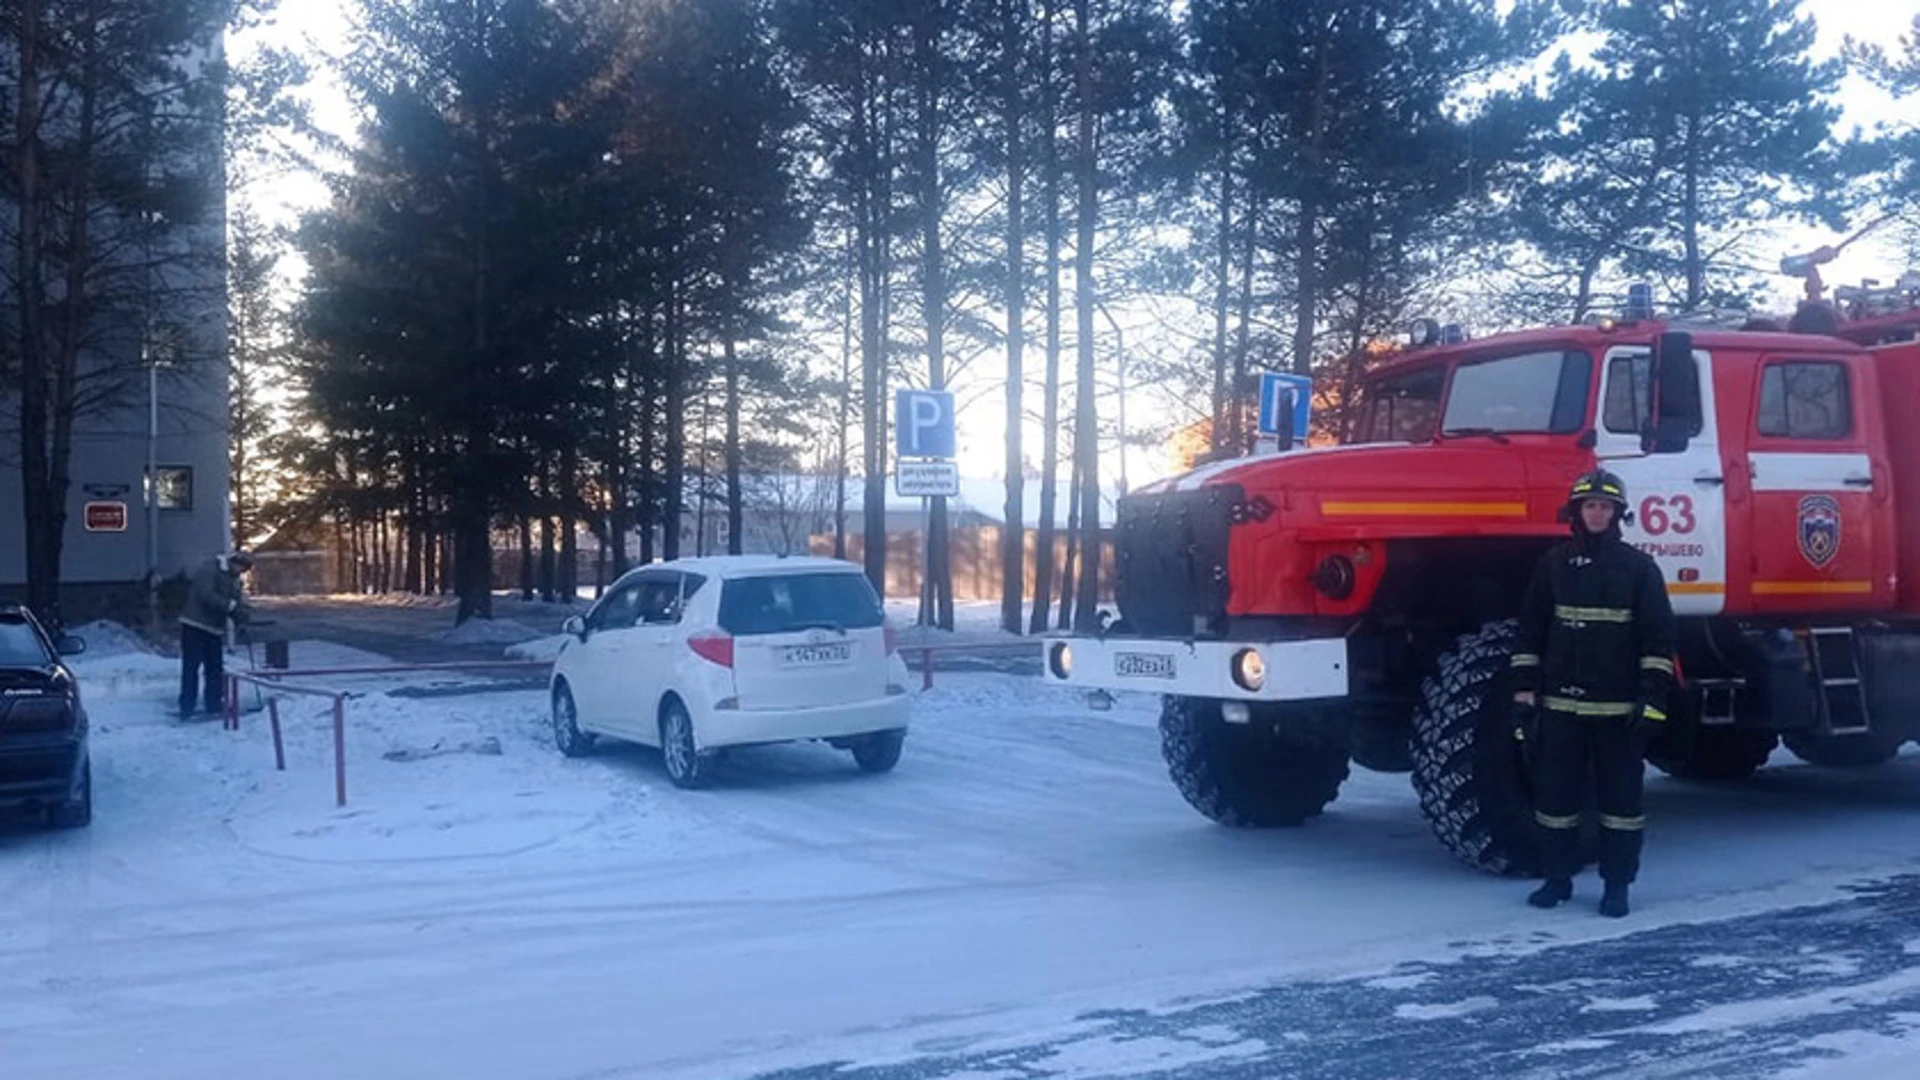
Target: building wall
100, 570
109, 465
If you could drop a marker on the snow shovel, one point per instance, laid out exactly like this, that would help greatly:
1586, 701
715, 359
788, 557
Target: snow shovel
250, 699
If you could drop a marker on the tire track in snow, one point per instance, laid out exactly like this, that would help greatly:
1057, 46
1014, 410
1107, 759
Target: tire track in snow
1746, 997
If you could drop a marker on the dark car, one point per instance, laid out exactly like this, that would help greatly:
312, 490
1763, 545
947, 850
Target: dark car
44, 764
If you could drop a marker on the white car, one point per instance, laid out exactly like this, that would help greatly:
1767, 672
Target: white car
697, 655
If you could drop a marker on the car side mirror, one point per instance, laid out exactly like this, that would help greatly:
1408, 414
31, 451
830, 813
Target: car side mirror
1676, 411
68, 645
576, 626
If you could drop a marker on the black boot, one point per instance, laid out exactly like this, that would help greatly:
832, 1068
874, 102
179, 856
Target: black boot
1552, 893
1614, 904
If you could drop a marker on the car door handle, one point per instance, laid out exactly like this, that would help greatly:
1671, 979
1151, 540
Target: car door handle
1858, 481
1710, 478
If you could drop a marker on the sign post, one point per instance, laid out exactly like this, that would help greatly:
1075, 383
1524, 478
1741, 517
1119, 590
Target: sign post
1286, 408
924, 429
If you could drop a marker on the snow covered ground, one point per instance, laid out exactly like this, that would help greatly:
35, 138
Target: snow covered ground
1026, 897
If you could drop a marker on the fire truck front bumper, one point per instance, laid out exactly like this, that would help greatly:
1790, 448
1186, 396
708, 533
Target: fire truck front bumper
1300, 670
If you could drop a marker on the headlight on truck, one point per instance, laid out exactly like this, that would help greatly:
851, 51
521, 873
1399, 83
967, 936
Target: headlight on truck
1060, 660
1249, 670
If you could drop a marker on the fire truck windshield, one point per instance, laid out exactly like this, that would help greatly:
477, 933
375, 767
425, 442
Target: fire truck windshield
1543, 392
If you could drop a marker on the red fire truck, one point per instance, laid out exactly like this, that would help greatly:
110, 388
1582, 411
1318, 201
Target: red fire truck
1303, 610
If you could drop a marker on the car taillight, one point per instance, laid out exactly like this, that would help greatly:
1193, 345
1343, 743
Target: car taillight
713, 648
893, 639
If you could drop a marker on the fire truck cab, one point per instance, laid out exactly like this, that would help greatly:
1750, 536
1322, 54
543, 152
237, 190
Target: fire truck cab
1356, 602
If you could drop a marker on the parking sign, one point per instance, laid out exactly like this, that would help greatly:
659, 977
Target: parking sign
923, 422
1281, 395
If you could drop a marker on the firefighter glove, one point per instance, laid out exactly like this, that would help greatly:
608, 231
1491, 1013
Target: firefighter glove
1648, 721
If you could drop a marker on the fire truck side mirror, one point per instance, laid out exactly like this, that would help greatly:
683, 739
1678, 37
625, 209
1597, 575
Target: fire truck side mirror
1676, 396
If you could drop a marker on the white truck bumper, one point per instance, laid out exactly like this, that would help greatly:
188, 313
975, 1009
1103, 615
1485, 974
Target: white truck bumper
1291, 670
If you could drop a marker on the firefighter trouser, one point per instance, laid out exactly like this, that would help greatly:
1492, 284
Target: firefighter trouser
1567, 753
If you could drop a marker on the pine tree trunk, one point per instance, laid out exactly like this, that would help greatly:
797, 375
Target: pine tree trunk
1086, 440
1069, 582
675, 391
416, 579
39, 509
619, 508
1242, 344
871, 221
526, 557
648, 515
1690, 217
736, 501
549, 566
1223, 289
1306, 230
841, 458
569, 493
1013, 538
1043, 570
931, 198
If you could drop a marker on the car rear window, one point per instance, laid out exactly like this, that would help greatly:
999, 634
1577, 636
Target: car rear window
19, 645
787, 602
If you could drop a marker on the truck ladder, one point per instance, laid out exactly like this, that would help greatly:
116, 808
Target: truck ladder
1836, 670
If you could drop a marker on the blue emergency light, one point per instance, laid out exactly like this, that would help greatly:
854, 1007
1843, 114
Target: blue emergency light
1639, 301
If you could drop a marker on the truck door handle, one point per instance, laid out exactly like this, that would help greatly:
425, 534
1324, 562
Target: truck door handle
1858, 481
1710, 478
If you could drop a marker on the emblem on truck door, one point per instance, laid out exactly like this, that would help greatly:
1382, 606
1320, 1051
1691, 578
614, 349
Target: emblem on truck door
1819, 529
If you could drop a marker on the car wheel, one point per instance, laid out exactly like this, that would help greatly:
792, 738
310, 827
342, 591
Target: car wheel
567, 735
880, 751
687, 767
77, 814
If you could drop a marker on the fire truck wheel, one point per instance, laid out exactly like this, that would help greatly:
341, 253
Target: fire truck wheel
1467, 768
1716, 753
1246, 775
1843, 751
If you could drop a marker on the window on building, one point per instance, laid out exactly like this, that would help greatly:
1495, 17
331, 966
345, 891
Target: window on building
1806, 399
173, 487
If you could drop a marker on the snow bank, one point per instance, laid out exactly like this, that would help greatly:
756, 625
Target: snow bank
973, 620
117, 663
488, 632
545, 648
106, 638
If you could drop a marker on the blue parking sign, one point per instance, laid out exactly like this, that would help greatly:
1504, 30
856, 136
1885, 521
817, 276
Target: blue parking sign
923, 423
1281, 395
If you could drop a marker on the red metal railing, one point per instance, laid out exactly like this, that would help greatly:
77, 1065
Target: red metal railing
274, 681
976, 648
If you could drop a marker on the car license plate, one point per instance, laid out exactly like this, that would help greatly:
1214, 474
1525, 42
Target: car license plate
1134, 665
838, 652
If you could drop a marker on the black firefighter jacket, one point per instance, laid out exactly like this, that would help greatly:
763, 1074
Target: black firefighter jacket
1596, 630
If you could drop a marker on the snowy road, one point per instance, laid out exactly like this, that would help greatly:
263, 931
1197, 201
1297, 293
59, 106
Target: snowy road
1026, 897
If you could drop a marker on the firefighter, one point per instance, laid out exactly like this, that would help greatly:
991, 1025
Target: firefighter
1593, 668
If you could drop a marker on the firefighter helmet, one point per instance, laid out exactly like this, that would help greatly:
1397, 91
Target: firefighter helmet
1598, 484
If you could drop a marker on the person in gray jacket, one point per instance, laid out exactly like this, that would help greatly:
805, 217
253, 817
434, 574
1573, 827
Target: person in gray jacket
213, 599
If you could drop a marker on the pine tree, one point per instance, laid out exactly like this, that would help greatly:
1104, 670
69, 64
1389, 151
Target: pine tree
1705, 118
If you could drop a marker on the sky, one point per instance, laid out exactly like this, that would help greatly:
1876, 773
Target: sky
323, 27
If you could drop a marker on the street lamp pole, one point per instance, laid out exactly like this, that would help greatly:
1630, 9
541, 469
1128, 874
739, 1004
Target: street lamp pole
153, 488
